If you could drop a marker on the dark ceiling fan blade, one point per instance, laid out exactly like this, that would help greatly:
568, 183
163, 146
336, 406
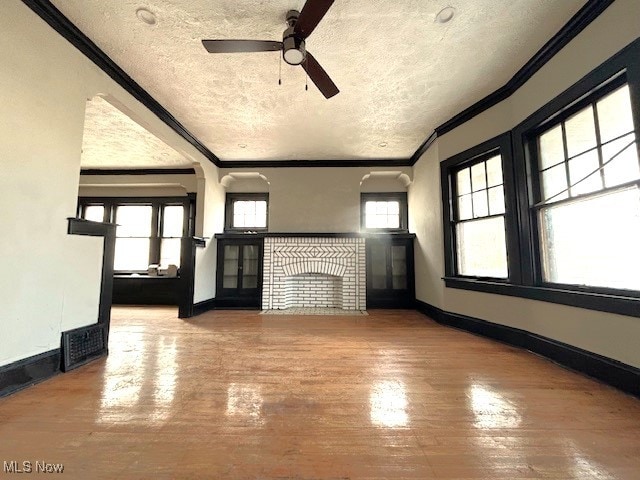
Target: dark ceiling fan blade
319, 77
235, 46
310, 16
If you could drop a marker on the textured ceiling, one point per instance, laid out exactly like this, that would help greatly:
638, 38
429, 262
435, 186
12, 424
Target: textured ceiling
112, 140
400, 74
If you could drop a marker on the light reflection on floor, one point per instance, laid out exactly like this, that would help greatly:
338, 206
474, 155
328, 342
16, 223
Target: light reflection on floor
491, 409
388, 404
132, 384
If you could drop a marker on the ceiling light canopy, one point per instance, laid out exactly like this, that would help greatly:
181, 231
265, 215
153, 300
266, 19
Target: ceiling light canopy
445, 15
145, 15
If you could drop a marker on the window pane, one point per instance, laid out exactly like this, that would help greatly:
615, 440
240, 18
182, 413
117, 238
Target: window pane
480, 206
614, 114
170, 252
249, 214
478, 178
173, 220
494, 171
95, 213
131, 254
624, 168
496, 200
393, 207
482, 249
133, 221
593, 242
261, 214
463, 180
551, 148
581, 132
464, 207
579, 168
554, 181
382, 214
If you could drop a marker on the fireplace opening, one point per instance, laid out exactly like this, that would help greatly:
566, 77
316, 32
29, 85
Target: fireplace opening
314, 290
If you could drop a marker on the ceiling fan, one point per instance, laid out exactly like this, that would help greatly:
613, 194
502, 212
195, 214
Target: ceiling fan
301, 25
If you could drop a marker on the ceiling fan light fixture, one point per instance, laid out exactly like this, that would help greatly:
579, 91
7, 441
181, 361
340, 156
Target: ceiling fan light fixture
293, 50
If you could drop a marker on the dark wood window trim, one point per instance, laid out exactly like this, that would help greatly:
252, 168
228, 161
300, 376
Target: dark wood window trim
157, 204
498, 145
228, 211
401, 197
624, 67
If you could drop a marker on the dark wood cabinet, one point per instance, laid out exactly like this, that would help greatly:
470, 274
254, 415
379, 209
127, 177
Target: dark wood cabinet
239, 273
390, 272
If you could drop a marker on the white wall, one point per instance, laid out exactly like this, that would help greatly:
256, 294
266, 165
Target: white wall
611, 335
210, 207
42, 94
425, 220
317, 199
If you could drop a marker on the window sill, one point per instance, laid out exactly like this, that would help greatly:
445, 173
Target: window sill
603, 302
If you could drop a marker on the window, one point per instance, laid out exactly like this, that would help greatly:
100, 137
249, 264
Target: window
570, 207
247, 211
481, 248
133, 237
384, 211
477, 220
588, 213
150, 230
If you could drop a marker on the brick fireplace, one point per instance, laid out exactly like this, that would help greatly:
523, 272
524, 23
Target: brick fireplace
314, 272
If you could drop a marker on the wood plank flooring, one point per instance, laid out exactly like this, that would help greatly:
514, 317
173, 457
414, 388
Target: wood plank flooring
246, 396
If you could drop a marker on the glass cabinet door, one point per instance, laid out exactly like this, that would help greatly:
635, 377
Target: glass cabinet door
398, 267
250, 260
230, 267
378, 266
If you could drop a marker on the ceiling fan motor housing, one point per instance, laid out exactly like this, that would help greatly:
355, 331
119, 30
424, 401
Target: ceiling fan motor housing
293, 50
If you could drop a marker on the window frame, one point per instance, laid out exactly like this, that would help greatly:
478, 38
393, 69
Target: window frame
401, 197
622, 68
500, 145
231, 198
157, 203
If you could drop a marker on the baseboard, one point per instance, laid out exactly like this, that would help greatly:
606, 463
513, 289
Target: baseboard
204, 306
29, 371
607, 370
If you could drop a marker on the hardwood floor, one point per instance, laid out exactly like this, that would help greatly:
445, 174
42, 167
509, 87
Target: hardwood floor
247, 396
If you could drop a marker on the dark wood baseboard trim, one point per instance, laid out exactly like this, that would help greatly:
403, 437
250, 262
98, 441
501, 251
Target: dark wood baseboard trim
204, 306
607, 370
29, 371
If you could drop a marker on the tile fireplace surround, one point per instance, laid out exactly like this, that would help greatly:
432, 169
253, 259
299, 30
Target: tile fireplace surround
314, 272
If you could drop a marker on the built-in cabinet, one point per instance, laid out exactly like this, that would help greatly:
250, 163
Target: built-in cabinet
239, 273
390, 272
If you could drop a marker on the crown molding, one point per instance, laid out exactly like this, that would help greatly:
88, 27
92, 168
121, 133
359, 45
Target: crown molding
587, 14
